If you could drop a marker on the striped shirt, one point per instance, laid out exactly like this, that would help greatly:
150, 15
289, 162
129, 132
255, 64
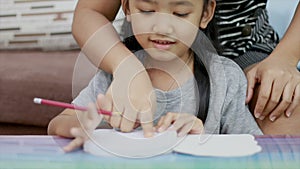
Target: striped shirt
243, 26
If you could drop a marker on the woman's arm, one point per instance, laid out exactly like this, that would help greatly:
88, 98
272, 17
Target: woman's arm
278, 77
101, 44
289, 44
91, 16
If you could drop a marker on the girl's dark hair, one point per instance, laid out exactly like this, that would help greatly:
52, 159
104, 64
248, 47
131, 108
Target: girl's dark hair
200, 71
211, 30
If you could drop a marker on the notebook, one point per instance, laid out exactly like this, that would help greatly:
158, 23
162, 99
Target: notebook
109, 142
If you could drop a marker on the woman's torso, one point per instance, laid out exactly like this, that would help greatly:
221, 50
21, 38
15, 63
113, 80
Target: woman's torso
243, 26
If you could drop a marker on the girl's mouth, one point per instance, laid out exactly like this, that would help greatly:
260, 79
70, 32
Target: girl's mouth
162, 44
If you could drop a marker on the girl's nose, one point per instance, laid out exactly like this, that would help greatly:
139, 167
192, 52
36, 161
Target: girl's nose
163, 24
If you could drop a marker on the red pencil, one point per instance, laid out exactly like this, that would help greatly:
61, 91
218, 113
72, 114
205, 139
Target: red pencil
67, 105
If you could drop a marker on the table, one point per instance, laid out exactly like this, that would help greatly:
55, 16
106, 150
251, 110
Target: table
43, 152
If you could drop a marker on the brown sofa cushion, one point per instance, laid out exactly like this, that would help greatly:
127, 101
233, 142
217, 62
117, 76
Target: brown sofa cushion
29, 74
19, 129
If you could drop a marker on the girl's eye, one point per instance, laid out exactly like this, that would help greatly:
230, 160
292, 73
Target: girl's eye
147, 11
181, 14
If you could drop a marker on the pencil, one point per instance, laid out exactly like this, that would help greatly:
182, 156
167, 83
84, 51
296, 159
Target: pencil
67, 105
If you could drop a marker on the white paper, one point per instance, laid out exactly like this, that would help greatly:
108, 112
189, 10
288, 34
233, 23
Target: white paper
109, 142
219, 145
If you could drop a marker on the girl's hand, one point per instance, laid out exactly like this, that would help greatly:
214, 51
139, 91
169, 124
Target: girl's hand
279, 87
183, 123
89, 121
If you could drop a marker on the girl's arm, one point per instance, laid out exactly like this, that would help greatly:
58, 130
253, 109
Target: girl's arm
61, 125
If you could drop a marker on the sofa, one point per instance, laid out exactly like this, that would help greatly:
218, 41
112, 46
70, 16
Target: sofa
28, 74
37, 59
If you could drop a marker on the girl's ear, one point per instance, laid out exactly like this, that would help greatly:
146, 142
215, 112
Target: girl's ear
125, 8
208, 14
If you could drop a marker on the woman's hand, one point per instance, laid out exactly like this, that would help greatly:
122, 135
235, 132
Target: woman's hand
89, 120
132, 95
279, 82
183, 123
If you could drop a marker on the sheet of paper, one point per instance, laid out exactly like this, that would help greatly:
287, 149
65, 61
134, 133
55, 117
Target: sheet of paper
218, 145
109, 142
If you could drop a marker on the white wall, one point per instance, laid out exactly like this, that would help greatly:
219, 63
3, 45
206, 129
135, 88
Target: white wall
281, 13
43, 24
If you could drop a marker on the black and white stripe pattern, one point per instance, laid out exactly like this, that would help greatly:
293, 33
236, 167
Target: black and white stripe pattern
243, 26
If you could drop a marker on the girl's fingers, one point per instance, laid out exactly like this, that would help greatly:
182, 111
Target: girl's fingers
81, 116
79, 132
104, 103
189, 124
94, 117
89, 121
76, 143
181, 122
167, 121
92, 111
198, 127
79, 137
184, 130
184, 120
83, 120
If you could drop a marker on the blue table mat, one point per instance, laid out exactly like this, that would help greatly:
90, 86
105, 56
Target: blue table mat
43, 152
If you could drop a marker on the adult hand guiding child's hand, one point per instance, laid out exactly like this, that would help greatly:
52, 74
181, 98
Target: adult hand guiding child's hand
132, 95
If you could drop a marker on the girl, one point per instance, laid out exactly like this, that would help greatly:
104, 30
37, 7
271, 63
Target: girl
193, 85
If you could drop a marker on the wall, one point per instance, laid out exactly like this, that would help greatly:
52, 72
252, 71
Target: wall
36, 24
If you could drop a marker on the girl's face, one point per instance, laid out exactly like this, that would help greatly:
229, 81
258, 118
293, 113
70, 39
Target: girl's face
167, 28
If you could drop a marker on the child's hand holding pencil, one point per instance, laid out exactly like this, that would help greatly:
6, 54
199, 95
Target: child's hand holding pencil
89, 120
88, 117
